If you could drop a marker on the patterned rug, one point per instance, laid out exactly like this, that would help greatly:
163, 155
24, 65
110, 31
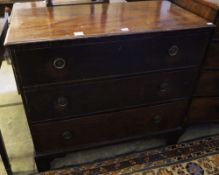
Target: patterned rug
199, 157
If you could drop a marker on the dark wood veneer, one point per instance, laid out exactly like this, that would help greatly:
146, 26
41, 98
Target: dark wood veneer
104, 59
99, 20
108, 85
212, 58
216, 33
81, 99
208, 12
204, 108
66, 134
208, 84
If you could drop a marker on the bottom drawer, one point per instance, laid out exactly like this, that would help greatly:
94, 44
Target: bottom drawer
204, 110
105, 128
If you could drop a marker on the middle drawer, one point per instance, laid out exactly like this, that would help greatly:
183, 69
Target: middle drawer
102, 96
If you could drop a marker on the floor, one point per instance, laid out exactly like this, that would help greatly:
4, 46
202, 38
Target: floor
14, 125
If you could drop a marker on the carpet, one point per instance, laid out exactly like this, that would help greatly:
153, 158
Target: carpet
106, 152
198, 157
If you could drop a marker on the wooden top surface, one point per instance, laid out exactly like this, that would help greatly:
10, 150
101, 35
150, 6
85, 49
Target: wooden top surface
211, 3
33, 22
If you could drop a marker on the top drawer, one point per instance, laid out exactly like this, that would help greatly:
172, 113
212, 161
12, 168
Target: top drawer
109, 59
216, 34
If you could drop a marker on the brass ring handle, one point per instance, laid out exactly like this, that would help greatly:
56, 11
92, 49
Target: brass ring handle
62, 102
173, 50
157, 119
164, 87
67, 135
59, 63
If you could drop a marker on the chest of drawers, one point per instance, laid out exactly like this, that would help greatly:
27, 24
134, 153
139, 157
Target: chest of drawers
98, 74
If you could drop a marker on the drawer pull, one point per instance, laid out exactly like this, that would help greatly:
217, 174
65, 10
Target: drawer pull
173, 50
67, 135
59, 63
157, 119
62, 102
164, 87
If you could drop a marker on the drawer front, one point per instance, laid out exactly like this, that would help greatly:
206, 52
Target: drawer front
99, 60
208, 84
216, 34
204, 110
109, 127
84, 99
212, 60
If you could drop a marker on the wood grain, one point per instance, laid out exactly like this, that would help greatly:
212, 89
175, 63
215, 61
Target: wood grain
111, 58
68, 134
208, 9
204, 10
204, 110
208, 84
102, 93
212, 57
85, 99
33, 22
210, 3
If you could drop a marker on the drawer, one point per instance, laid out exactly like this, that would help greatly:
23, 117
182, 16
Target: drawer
204, 110
105, 128
216, 34
208, 84
110, 59
212, 59
86, 98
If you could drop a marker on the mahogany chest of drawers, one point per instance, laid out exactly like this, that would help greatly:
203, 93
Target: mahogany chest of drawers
97, 74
